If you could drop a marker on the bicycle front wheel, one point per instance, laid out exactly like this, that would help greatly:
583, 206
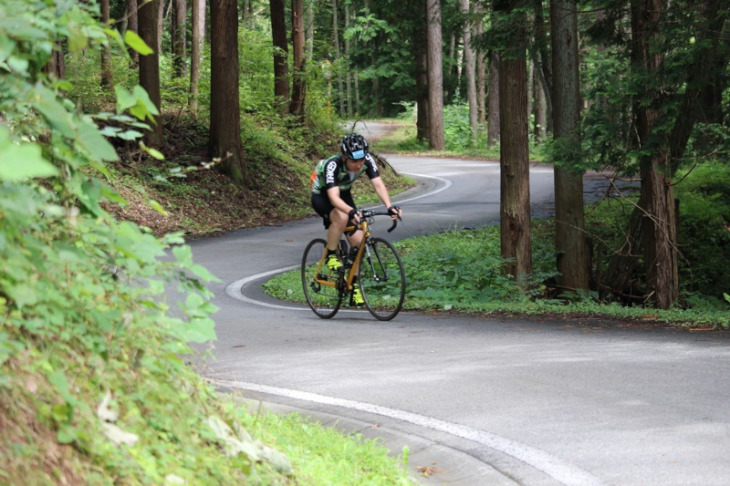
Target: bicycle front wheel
382, 279
322, 287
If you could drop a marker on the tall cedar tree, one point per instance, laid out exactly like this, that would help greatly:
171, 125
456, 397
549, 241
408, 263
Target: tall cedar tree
470, 67
196, 50
107, 75
225, 118
281, 54
299, 87
659, 217
514, 151
149, 66
435, 75
570, 240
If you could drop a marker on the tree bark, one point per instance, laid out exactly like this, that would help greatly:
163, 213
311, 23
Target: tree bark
281, 54
514, 140
659, 211
296, 107
179, 51
570, 239
133, 25
421, 86
56, 65
225, 119
198, 20
435, 76
338, 57
481, 70
493, 100
348, 73
107, 75
160, 17
149, 67
470, 67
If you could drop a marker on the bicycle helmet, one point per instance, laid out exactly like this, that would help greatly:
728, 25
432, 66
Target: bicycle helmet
354, 146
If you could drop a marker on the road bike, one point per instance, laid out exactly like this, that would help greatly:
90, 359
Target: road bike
375, 265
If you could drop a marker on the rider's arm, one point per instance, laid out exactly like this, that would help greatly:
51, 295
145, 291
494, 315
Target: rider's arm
382, 193
334, 194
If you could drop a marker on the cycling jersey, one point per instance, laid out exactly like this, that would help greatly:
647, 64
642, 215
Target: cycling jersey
333, 172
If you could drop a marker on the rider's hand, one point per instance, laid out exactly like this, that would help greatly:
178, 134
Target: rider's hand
395, 212
354, 216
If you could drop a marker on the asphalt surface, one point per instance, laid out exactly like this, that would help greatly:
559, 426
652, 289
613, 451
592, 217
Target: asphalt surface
477, 401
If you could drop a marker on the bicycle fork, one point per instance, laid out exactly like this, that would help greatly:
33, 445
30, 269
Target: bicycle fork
380, 274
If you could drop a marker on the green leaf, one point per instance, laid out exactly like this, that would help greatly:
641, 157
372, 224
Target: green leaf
55, 113
90, 138
135, 42
199, 331
24, 161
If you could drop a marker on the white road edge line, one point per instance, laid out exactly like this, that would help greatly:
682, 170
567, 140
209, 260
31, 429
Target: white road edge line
552, 466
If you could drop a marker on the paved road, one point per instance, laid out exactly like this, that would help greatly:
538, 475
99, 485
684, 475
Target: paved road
487, 401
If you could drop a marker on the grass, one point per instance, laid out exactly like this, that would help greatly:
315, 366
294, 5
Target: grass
461, 270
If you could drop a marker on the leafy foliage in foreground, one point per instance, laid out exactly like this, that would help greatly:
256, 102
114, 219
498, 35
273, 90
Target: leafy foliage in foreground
93, 386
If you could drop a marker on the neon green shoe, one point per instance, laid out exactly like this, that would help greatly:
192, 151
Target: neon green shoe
333, 263
357, 298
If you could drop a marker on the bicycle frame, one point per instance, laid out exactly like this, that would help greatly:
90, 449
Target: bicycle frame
352, 271
382, 284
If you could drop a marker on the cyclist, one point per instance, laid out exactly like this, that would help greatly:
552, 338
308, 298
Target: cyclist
332, 180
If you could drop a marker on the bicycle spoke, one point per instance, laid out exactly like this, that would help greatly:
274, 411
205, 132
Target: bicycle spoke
321, 286
382, 279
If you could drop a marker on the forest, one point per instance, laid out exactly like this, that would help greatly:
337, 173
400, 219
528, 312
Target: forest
241, 92
636, 87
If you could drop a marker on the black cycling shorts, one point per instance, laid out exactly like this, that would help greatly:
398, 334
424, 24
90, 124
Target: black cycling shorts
323, 206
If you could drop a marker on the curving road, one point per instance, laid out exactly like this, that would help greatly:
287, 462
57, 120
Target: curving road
489, 401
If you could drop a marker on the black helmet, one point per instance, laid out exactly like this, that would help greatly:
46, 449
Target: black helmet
354, 146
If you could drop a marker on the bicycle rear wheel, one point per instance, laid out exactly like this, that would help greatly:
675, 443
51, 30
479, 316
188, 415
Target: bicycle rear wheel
382, 279
322, 287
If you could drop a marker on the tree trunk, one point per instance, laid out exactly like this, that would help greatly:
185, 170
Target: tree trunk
56, 66
338, 56
310, 28
133, 25
514, 140
107, 75
149, 67
281, 54
659, 211
296, 107
225, 119
540, 108
541, 57
421, 88
160, 17
179, 25
198, 21
435, 76
570, 239
470, 67
481, 70
493, 100
348, 73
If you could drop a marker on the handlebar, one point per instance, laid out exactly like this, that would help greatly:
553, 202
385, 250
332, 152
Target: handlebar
371, 213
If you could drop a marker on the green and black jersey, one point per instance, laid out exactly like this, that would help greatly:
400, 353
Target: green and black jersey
333, 172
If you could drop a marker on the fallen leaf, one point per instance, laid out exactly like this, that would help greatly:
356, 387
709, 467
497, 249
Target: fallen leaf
427, 471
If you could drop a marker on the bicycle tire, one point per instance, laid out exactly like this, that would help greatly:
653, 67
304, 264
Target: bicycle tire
382, 279
324, 300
